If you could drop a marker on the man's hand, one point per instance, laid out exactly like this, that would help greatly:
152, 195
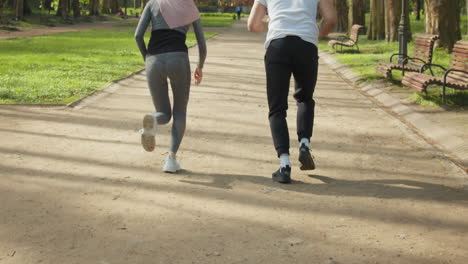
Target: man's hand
198, 75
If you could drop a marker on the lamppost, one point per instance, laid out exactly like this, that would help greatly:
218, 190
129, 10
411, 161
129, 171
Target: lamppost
402, 33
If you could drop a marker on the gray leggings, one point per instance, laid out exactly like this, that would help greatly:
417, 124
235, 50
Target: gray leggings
176, 67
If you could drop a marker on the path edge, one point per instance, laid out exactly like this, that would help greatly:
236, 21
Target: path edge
455, 147
102, 91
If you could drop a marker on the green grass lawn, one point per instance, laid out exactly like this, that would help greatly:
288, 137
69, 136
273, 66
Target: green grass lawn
133, 11
58, 69
217, 21
208, 20
371, 52
37, 21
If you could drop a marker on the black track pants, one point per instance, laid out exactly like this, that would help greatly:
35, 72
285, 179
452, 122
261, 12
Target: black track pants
286, 56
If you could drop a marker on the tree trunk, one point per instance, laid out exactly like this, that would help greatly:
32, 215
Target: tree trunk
94, 7
392, 19
19, 9
62, 9
342, 11
1, 7
76, 8
114, 5
357, 13
443, 19
376, 30
26, 8
106, 7
48, 5
417, 9
143, 3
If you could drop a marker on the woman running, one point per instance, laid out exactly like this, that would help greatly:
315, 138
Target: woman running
166, 58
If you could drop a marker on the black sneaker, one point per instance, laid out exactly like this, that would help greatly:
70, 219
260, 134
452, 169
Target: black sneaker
282, 175
307, 162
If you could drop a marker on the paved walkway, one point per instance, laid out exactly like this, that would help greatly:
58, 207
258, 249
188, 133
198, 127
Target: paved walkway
76, 186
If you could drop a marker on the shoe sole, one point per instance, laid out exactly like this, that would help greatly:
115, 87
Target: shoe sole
171, 171
306, 160
147, 139
282, 179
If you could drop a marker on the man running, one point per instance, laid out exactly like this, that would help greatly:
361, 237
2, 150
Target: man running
291, 44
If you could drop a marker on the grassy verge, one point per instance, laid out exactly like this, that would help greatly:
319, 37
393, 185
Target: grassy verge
217, 21
58, 69
208, 20
371, 52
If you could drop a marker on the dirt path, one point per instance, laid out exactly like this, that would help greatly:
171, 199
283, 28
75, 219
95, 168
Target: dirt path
62, 29
76, 186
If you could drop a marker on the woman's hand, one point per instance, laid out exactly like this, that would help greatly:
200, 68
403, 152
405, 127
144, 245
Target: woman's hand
198, 75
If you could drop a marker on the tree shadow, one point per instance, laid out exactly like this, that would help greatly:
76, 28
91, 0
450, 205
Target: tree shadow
392, 189
384, 189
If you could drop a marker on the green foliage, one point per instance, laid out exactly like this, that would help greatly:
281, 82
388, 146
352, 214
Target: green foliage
64, 67
210, 8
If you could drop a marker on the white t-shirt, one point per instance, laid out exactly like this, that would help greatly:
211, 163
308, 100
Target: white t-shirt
292, 18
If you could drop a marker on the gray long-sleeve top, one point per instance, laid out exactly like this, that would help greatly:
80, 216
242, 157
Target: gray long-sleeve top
152, 14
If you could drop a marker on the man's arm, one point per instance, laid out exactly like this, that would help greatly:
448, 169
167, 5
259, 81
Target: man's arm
329, 17
256, 22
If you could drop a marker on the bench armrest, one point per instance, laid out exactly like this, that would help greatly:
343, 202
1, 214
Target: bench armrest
429, 66
414, 59
449, 71
397, 54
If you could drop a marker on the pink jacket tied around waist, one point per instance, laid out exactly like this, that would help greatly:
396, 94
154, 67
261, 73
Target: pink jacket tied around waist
178, 13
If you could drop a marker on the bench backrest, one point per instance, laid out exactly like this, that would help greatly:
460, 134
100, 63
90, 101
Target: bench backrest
459, 62
354, 33
423, 48
3, 19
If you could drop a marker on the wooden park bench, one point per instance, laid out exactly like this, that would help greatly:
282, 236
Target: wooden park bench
422, 57
456, 77
345, 41
3, 20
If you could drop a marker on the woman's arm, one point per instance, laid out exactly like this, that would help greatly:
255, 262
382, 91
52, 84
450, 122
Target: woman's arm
198, 74
256, 22
141, 29
329, 17
198, 29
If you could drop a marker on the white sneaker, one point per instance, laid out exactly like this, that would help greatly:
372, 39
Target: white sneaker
148, 132
171, 165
